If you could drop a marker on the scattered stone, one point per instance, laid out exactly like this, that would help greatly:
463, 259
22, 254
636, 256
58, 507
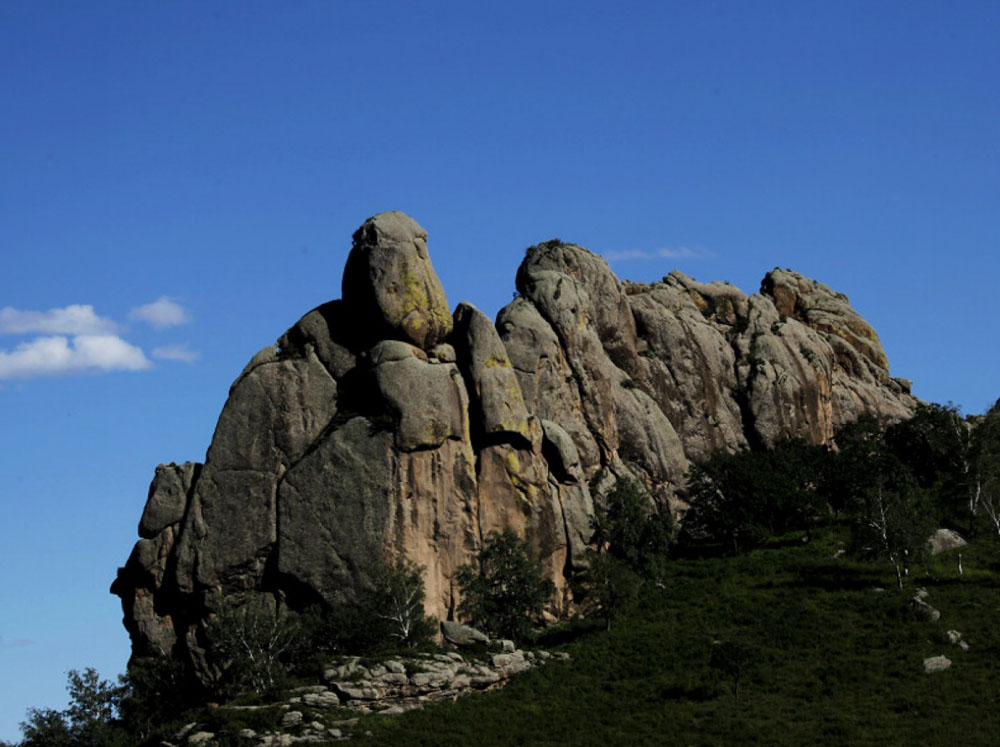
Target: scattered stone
936, 664
201, 737
185, 730
292, 718
955, 638
322, 699
923, 611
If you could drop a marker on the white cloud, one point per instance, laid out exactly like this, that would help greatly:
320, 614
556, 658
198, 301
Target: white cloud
16, 643
679, 253
161, 313
69, 320
47, 356
176, 353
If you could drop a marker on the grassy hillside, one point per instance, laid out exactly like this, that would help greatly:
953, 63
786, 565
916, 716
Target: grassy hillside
835, 661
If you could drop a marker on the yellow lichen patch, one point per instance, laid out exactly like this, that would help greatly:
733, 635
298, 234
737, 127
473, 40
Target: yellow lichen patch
861, 329
412, 293
699, 300
497, 360
513, 465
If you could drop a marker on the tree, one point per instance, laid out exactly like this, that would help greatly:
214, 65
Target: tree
742, 498
937, 446
733, 659
894, 519
154, 691
986, 455
504, 590
90, 720
860, 444
628, 525
249, 636
396, 599
611, 586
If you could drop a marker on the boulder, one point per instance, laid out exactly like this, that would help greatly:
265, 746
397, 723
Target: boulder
462, 635
943, 540
936, 664
390, 285
923, 611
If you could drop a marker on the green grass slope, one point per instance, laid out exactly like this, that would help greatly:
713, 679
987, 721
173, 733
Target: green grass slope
835, 661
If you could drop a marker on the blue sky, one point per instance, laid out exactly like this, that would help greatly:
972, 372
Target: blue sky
180, 181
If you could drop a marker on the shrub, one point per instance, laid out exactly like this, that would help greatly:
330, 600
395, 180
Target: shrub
504, 590
396, 600
249, 637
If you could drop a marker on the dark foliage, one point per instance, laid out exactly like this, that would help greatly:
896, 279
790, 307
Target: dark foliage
740, 499
505, 590
630, 528
610, 588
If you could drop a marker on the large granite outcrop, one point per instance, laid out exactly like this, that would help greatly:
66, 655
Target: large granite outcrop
383, 425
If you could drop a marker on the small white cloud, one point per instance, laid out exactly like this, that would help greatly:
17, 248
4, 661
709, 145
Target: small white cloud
619, 256
684, 252
48, 356
679, 253
16, 643
76, 319
161, 313
176, 353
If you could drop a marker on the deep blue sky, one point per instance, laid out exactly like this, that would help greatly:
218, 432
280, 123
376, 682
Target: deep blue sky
215, 157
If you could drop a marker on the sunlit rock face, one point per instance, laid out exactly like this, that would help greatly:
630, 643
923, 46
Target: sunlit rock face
383, 425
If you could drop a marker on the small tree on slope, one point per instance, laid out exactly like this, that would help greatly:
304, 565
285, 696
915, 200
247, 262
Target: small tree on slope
504, 590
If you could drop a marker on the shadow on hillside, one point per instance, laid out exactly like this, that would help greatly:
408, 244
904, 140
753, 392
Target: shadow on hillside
836, 577
566, 632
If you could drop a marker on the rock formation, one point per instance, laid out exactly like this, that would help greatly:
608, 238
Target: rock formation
382, 425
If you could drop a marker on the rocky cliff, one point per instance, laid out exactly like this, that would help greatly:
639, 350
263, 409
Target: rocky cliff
384, 424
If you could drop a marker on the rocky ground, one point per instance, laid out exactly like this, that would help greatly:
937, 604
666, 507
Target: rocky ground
316, 714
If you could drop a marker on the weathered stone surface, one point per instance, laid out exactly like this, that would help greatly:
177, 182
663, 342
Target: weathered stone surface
427, 400
547, 381
168, 497
498, 405
390, 285
688, 363
382, 426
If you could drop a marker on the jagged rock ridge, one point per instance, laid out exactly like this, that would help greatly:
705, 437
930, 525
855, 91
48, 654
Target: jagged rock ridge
383, 425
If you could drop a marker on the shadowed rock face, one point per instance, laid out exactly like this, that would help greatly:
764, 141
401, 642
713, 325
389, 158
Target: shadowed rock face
381, 425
